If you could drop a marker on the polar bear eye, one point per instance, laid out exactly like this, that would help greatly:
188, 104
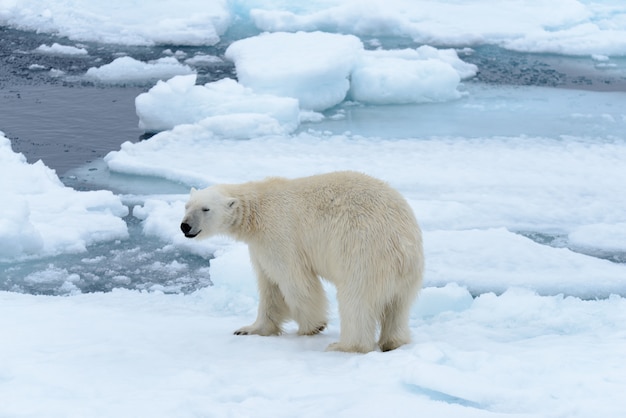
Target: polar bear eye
205, 209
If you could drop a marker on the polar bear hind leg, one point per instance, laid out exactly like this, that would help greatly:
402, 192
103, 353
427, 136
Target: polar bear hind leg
358, 324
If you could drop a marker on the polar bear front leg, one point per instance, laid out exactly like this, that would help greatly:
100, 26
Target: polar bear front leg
273, 310
305, 296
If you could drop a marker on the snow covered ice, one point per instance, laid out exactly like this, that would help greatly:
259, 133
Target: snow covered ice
519, 191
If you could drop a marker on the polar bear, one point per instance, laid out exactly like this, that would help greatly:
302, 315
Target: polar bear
348, 228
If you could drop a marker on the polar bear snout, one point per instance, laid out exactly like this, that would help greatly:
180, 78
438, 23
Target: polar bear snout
186, 228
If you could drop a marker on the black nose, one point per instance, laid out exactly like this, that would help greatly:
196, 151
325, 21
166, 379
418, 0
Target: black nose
185, 227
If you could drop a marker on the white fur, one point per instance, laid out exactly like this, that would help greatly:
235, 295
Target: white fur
346, 227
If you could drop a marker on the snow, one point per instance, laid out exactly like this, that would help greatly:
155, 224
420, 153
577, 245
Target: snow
148, 354
519, 191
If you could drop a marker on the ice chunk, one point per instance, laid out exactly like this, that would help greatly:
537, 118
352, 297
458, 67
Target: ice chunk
129, 70
317, 68
435, 300
203, 60
18, 236
225, 107
37, 67
57, 49
449, 56
312, 67
387, 77
39, 216
54, 278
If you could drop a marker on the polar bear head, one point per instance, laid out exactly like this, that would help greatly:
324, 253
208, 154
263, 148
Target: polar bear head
207, 213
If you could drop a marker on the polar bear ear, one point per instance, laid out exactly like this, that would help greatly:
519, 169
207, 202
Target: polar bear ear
193, 190
232, 203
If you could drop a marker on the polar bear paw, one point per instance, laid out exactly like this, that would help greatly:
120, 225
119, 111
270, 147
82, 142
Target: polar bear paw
255, 329
314, 330
338, 346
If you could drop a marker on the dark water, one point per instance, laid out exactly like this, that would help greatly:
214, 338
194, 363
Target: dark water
499, 66
67, 121
67, 126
